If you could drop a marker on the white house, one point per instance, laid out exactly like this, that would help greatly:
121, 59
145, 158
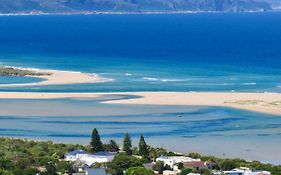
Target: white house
169, 172
246, 171
173, 160
74, 155
89, 159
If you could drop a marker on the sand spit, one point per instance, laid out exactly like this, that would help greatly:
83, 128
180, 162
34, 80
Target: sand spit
258, 102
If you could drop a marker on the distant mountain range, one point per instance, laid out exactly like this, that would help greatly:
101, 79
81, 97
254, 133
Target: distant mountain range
91, 6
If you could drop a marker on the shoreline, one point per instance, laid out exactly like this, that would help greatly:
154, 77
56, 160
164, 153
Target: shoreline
39, 13
268, 103
57, 77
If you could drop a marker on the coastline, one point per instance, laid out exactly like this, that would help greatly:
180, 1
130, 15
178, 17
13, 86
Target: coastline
57, 77
39, 13
269, 103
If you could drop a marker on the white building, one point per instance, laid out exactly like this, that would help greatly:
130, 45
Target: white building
244, 171
173, 160
89, 159
169, 172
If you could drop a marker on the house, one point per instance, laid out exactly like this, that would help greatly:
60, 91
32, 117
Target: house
170, 172
97, 171
173, 160
74, 155
89, 159
246, 171
198, 165
243, 171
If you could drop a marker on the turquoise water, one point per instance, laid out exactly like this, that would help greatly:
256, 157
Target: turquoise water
191, 52
16, 80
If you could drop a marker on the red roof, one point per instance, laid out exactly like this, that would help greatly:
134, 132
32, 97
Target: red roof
198, 164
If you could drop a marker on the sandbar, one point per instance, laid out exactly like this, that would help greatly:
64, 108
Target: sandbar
269, 103
57, 77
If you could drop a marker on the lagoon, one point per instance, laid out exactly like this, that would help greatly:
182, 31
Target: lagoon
236, 133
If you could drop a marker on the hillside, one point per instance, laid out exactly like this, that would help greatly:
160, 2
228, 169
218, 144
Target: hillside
81, 6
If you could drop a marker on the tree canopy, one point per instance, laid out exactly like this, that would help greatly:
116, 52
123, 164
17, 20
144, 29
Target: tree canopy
127, 144
139, 171
96, 143
112, 146
122, 162
143, 149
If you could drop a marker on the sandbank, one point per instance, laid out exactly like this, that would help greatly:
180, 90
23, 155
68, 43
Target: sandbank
57, 77
269, 103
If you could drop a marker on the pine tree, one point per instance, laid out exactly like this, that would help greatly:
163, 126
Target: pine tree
111, 147
127, 144
96, 143
143, 149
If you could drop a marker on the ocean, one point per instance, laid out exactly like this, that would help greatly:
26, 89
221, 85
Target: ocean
168, 52
179, 52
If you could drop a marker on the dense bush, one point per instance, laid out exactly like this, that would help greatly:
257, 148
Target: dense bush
121, 163
26, 157
139, 171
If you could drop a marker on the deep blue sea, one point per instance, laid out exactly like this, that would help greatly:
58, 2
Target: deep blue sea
183, 52
179, 52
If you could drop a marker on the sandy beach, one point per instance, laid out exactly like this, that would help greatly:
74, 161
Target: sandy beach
57, 77
258, 102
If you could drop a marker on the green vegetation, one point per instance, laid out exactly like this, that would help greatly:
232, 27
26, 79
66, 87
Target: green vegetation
111, 147
187, 170
27, 157
127, 144
121, 163
10, 71
143, 149
96, 143
254, 102
159, 166
139, 171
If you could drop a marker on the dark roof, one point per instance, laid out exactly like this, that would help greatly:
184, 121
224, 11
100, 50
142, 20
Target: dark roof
104, 154
97, 171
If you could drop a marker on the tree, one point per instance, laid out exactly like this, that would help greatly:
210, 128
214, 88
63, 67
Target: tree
180, 165
112, 146
5, 172
68, 167
204, 171
127, 144
139, 171
120, 163
51, 169
96, 143
159, 166
185, 171
194, 155
227, 164
29, 171
6, 164
143, 149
